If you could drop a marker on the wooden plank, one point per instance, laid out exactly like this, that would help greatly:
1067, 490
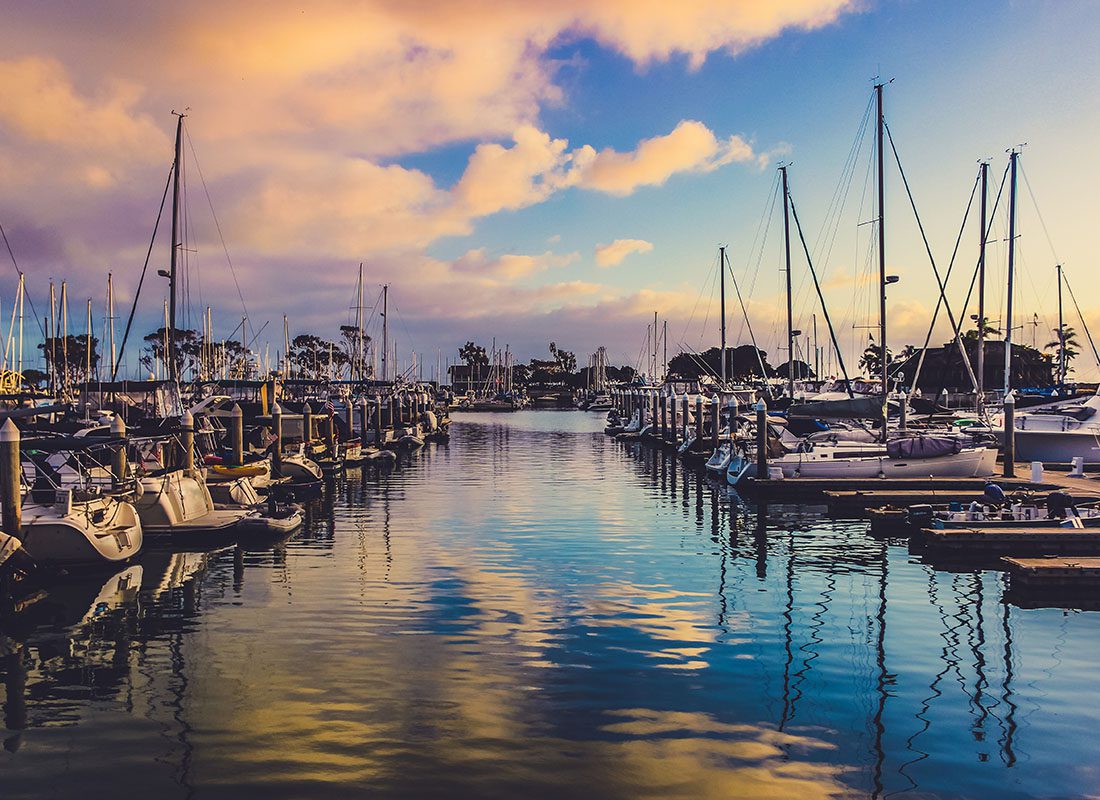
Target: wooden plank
1074, 573
1051, 541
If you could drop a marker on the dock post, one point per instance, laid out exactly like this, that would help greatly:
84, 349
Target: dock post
735, 410
628, 411
761, 439
1010, 436
715, 418
663, 399
349, 417
307, 425
236, 434
277, 432
330, 431
395, 411
364, 421
654, 418
903, 422
187, 437
118, 455
673, 428
11, 500
378, 421
698, 421
687, 413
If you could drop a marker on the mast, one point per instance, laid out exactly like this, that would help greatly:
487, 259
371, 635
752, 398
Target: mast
385, 328
51, 333
664, 344
883, 358
1061, 335
981, 287
64, 338
1012, 158
358, 368
88, 347
787, 270
722, 281
111, 319
653, 374
173, 373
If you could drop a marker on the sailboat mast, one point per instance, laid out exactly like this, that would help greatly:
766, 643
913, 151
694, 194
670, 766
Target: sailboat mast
111, 318
787, 270
722, 282
1013, 156
358, 369
171, 333
981, 287
883, 358
385, 328
1061, 335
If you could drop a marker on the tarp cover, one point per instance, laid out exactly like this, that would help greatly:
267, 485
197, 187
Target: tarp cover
923, 447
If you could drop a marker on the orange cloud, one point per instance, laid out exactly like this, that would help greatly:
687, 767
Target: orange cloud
608, 255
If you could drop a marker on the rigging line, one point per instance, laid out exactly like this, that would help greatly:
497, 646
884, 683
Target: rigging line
141, 280
745, 315
950, 267
1084, 324
1039, 213
821, 297
15, 264
928, 249
992, 213
217, 224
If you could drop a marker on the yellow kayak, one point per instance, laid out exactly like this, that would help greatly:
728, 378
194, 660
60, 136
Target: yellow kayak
243, 471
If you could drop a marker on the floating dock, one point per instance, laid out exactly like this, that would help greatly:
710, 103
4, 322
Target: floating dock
1078, 573
1009, 541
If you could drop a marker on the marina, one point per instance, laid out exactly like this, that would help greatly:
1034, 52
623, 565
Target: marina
551, 400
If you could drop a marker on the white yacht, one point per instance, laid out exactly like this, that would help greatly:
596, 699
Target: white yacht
1057, 433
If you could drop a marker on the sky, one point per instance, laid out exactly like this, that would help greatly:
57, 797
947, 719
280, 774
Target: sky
547, 171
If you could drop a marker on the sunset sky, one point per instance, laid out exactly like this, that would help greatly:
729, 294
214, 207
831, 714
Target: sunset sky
540, 171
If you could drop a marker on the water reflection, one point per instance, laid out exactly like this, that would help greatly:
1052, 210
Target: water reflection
535, 609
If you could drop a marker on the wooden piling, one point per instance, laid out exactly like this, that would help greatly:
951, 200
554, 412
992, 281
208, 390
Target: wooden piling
378, 421
118, 455
698, 421
307, 424
663, 398
330, 431
364, 420
236, 434
277, 432
187, 441
674, 432
1009, 452
715, 419
761, 439
11, 501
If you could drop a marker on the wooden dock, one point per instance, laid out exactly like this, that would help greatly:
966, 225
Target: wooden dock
1009, 541
1055, 573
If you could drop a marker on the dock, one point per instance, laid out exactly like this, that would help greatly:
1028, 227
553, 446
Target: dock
1055, 572
1009, 541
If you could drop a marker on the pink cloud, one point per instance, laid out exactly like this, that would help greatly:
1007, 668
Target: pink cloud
609, 255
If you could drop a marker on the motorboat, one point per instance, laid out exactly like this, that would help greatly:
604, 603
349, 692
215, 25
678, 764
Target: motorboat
178, 502
91, 530
266, 517
1057, 433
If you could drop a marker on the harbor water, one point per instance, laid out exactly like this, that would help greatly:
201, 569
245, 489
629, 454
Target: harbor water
537, 610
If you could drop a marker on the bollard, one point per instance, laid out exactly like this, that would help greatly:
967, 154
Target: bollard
236, 434
349, 417
698, 421
687, 414
378, 421
330, 431
395, 411
1078, 470
118, 456
307, 424
761, 439
277, 432
674, 429
187, 441
11, 501
715, 419
1036, 471
735, 409
1010, 436
903, 423
664, 415
364, 420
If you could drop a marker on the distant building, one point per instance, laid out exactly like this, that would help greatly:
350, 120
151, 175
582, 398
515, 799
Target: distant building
943, 367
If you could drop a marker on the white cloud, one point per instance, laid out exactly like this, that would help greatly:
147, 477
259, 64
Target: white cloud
609, 255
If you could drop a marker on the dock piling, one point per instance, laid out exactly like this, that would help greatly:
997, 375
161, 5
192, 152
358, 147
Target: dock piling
307, 424
187, 441
118, 455
11, 510
761, 439
236, 434
1010, 436
277, 432
715, 418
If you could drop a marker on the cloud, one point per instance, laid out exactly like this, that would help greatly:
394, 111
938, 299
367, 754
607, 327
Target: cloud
608, 255
510, 266
690, 147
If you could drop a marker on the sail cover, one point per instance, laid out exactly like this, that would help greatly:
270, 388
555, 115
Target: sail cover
923, 447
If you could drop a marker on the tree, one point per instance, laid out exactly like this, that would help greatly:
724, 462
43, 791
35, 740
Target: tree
972, 334
567, 362
67, 358
314, 358
742, 363
473, 355
188, 350
357, 359
802, 370
871, 360
1067, 343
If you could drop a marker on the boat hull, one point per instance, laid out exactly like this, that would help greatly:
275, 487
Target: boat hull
74, 539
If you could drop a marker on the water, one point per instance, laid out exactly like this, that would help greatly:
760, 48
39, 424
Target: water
536, 610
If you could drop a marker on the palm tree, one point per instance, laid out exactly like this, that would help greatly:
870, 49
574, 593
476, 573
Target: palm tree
1064, 345
871, 360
